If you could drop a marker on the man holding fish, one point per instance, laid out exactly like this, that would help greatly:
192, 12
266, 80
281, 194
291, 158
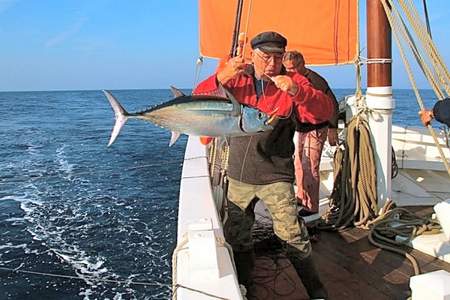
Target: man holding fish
261, 165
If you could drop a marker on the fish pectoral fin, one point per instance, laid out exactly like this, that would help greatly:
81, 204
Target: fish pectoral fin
237, 107
174, 137
176, 92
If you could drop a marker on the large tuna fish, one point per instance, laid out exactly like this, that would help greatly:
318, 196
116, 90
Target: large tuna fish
196, 115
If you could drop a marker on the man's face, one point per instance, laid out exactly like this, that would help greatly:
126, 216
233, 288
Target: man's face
267, 63
291, 65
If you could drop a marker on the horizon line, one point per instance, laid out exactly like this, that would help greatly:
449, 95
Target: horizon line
142, 89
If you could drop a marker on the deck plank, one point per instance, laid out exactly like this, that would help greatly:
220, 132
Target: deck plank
350, 267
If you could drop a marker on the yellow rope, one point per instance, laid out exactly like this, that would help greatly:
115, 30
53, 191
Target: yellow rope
397, 29
399, 26
422, 33
436, 72
212, 156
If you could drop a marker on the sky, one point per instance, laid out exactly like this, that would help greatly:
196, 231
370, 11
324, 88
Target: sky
138, 44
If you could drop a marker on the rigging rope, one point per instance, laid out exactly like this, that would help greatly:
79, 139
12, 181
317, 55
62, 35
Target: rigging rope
350, 198
427, 43
400, 29
237, 25
425, 10
247, 23
84, 278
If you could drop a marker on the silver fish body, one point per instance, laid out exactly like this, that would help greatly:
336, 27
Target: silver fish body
196, 115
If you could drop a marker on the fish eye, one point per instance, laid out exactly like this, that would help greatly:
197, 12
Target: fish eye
260, 115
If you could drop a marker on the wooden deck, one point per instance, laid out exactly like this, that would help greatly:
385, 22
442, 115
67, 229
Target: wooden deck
350, 268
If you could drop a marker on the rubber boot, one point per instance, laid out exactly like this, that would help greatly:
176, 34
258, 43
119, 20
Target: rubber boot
307, 272
245, 262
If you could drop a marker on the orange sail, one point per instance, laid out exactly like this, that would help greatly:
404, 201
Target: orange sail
326, 32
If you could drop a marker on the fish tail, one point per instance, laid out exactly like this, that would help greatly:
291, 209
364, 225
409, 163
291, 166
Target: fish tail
121, 116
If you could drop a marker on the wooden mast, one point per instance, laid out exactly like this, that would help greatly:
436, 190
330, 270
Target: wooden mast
378, 45
379, 94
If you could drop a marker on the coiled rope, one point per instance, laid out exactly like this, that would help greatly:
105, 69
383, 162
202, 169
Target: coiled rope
353, 200
396, 227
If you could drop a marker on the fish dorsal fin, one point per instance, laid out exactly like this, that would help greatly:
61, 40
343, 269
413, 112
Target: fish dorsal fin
173, 138
176, 92
236, 105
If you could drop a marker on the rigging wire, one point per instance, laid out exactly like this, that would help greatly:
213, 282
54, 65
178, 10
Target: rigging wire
399, 29
84, 278
247, 24
345, 203
425, 10
237, 25
427, 43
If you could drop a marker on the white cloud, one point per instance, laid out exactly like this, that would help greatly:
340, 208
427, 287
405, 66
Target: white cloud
66, 34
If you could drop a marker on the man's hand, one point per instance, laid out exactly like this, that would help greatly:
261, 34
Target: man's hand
233, 67
426, 116
286, 84
332, 136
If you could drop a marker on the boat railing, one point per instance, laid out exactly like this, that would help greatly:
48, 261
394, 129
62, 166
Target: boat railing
202, 261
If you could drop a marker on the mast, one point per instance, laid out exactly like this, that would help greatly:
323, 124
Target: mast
379, 94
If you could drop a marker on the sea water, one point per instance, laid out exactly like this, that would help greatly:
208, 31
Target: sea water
104, 217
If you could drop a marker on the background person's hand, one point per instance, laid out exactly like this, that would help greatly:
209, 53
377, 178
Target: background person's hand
332, 136
233, 67
285, 83
426, 116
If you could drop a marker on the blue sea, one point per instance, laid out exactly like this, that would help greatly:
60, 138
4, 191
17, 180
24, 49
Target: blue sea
103, 217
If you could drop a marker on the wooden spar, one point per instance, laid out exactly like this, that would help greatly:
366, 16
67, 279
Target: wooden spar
237, 26
378, 45
379, 95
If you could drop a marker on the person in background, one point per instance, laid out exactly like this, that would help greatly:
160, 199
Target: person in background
261, 166
310, 138
440, 112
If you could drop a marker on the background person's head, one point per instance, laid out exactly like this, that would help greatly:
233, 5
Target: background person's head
293, 61
267, 55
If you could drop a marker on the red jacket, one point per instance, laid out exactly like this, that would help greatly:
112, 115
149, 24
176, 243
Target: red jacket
310, 105
270, 158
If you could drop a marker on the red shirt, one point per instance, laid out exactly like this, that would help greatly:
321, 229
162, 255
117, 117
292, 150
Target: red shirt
310, 105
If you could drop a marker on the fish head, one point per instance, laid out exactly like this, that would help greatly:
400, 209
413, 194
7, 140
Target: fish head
254, 120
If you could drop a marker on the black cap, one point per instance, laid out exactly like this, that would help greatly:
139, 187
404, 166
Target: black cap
269, 41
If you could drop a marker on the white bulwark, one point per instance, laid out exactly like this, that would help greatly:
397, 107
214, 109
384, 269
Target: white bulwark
203, 267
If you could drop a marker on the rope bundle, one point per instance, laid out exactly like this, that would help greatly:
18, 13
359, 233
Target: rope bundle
399, 222
354, 195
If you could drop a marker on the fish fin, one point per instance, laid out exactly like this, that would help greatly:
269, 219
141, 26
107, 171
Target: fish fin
236, 105
176, 92
120, 113
173, 138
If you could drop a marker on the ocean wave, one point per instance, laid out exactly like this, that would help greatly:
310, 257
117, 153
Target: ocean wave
64, 165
